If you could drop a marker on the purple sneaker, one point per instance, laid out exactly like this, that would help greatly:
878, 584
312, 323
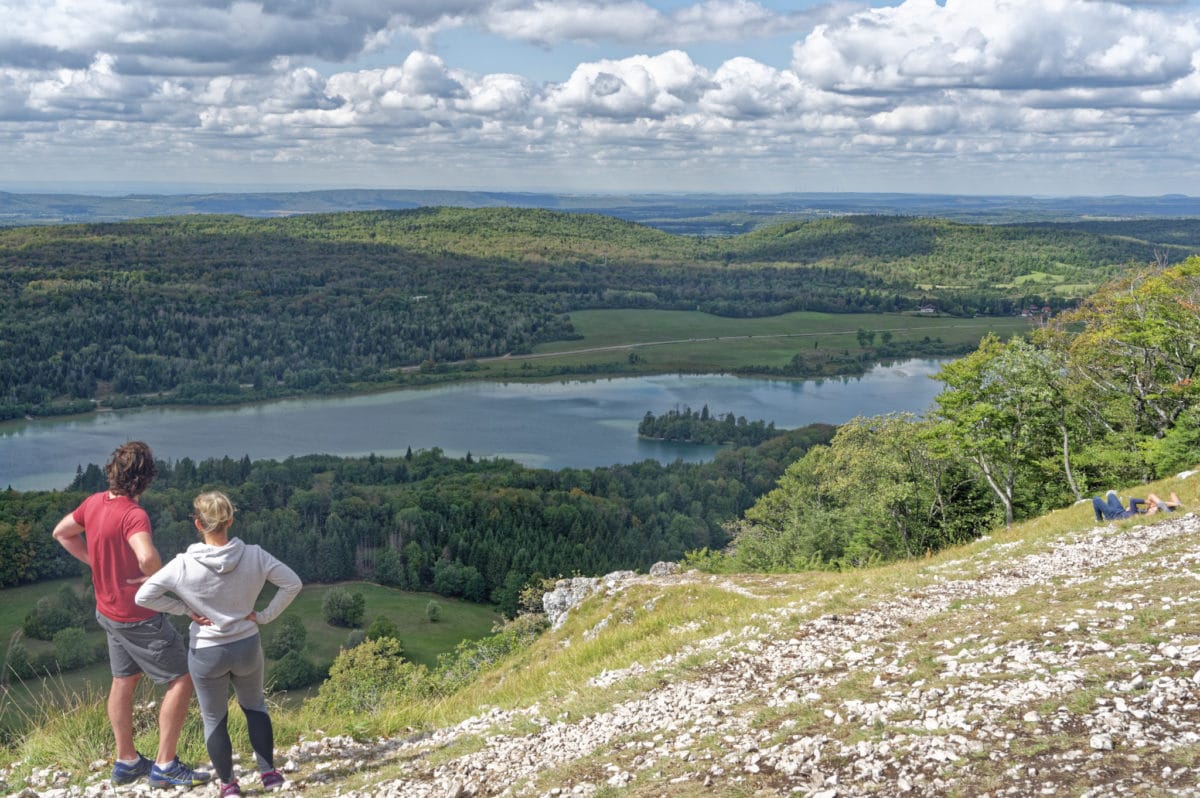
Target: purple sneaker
272, 780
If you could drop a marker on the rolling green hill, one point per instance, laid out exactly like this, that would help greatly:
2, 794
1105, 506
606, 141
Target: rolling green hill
208, 309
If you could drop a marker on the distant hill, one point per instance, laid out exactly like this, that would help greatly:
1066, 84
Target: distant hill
694, 214
252, 308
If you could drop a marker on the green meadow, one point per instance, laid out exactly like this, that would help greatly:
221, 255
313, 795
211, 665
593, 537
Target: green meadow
667, 341
422, 639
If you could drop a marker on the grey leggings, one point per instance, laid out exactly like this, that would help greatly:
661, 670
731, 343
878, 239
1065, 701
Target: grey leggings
213, 668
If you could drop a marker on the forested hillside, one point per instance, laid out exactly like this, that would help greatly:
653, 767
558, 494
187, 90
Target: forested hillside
209, 309
1105, 395
459, 527
953, 255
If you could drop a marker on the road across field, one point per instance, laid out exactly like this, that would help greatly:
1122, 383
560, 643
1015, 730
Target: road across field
698, 340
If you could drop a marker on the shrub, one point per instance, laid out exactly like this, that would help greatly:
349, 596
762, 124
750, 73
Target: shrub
54, 613
17, 663
433, 611
289, 635
72, 649
341, 608
43, 664
529, 600
708, 561
364, 679
381, 627
471, 657
294, 671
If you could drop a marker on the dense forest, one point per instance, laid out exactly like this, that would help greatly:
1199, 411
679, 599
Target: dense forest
1105, 395
206, 309
479, 529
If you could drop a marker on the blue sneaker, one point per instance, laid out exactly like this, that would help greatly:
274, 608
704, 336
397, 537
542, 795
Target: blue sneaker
127, 774
177, 774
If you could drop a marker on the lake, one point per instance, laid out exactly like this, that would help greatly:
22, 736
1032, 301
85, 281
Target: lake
582, 424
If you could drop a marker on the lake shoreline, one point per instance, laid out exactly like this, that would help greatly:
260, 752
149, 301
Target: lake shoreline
553, 424
462, 372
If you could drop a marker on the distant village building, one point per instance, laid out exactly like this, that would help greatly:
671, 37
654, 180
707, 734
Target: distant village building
1040, 315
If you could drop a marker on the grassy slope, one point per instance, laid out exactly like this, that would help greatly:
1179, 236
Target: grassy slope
692, 628
684, 628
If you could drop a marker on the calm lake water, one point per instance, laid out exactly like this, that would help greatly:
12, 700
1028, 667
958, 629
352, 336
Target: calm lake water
549, 425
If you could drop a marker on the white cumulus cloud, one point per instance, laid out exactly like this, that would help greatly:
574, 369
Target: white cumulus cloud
916, 87
641, 86
1005, 44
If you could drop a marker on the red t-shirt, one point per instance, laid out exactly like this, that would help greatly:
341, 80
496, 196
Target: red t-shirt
108, 522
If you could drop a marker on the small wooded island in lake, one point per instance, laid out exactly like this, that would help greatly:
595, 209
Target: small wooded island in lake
687, 426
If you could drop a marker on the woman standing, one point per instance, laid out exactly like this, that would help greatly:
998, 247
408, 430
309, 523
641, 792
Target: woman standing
219, 580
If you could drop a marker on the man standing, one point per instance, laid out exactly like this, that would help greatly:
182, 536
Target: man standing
118, 548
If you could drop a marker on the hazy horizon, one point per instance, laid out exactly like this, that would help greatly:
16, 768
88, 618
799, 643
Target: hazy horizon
117, 190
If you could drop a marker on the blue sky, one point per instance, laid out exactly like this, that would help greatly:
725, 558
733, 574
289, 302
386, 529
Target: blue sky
1058, 97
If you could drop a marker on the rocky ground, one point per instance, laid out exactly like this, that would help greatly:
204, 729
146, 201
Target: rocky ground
1072, 670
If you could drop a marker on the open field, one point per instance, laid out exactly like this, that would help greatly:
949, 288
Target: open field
688, 341
423, 641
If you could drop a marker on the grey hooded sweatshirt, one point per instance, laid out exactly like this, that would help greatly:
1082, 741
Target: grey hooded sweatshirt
221, 583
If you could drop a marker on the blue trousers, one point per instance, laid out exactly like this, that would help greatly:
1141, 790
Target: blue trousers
1110, 508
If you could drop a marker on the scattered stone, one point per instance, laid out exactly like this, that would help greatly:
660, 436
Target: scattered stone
901, 736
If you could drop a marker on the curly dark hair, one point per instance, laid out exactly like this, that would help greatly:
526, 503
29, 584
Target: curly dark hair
131, 469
